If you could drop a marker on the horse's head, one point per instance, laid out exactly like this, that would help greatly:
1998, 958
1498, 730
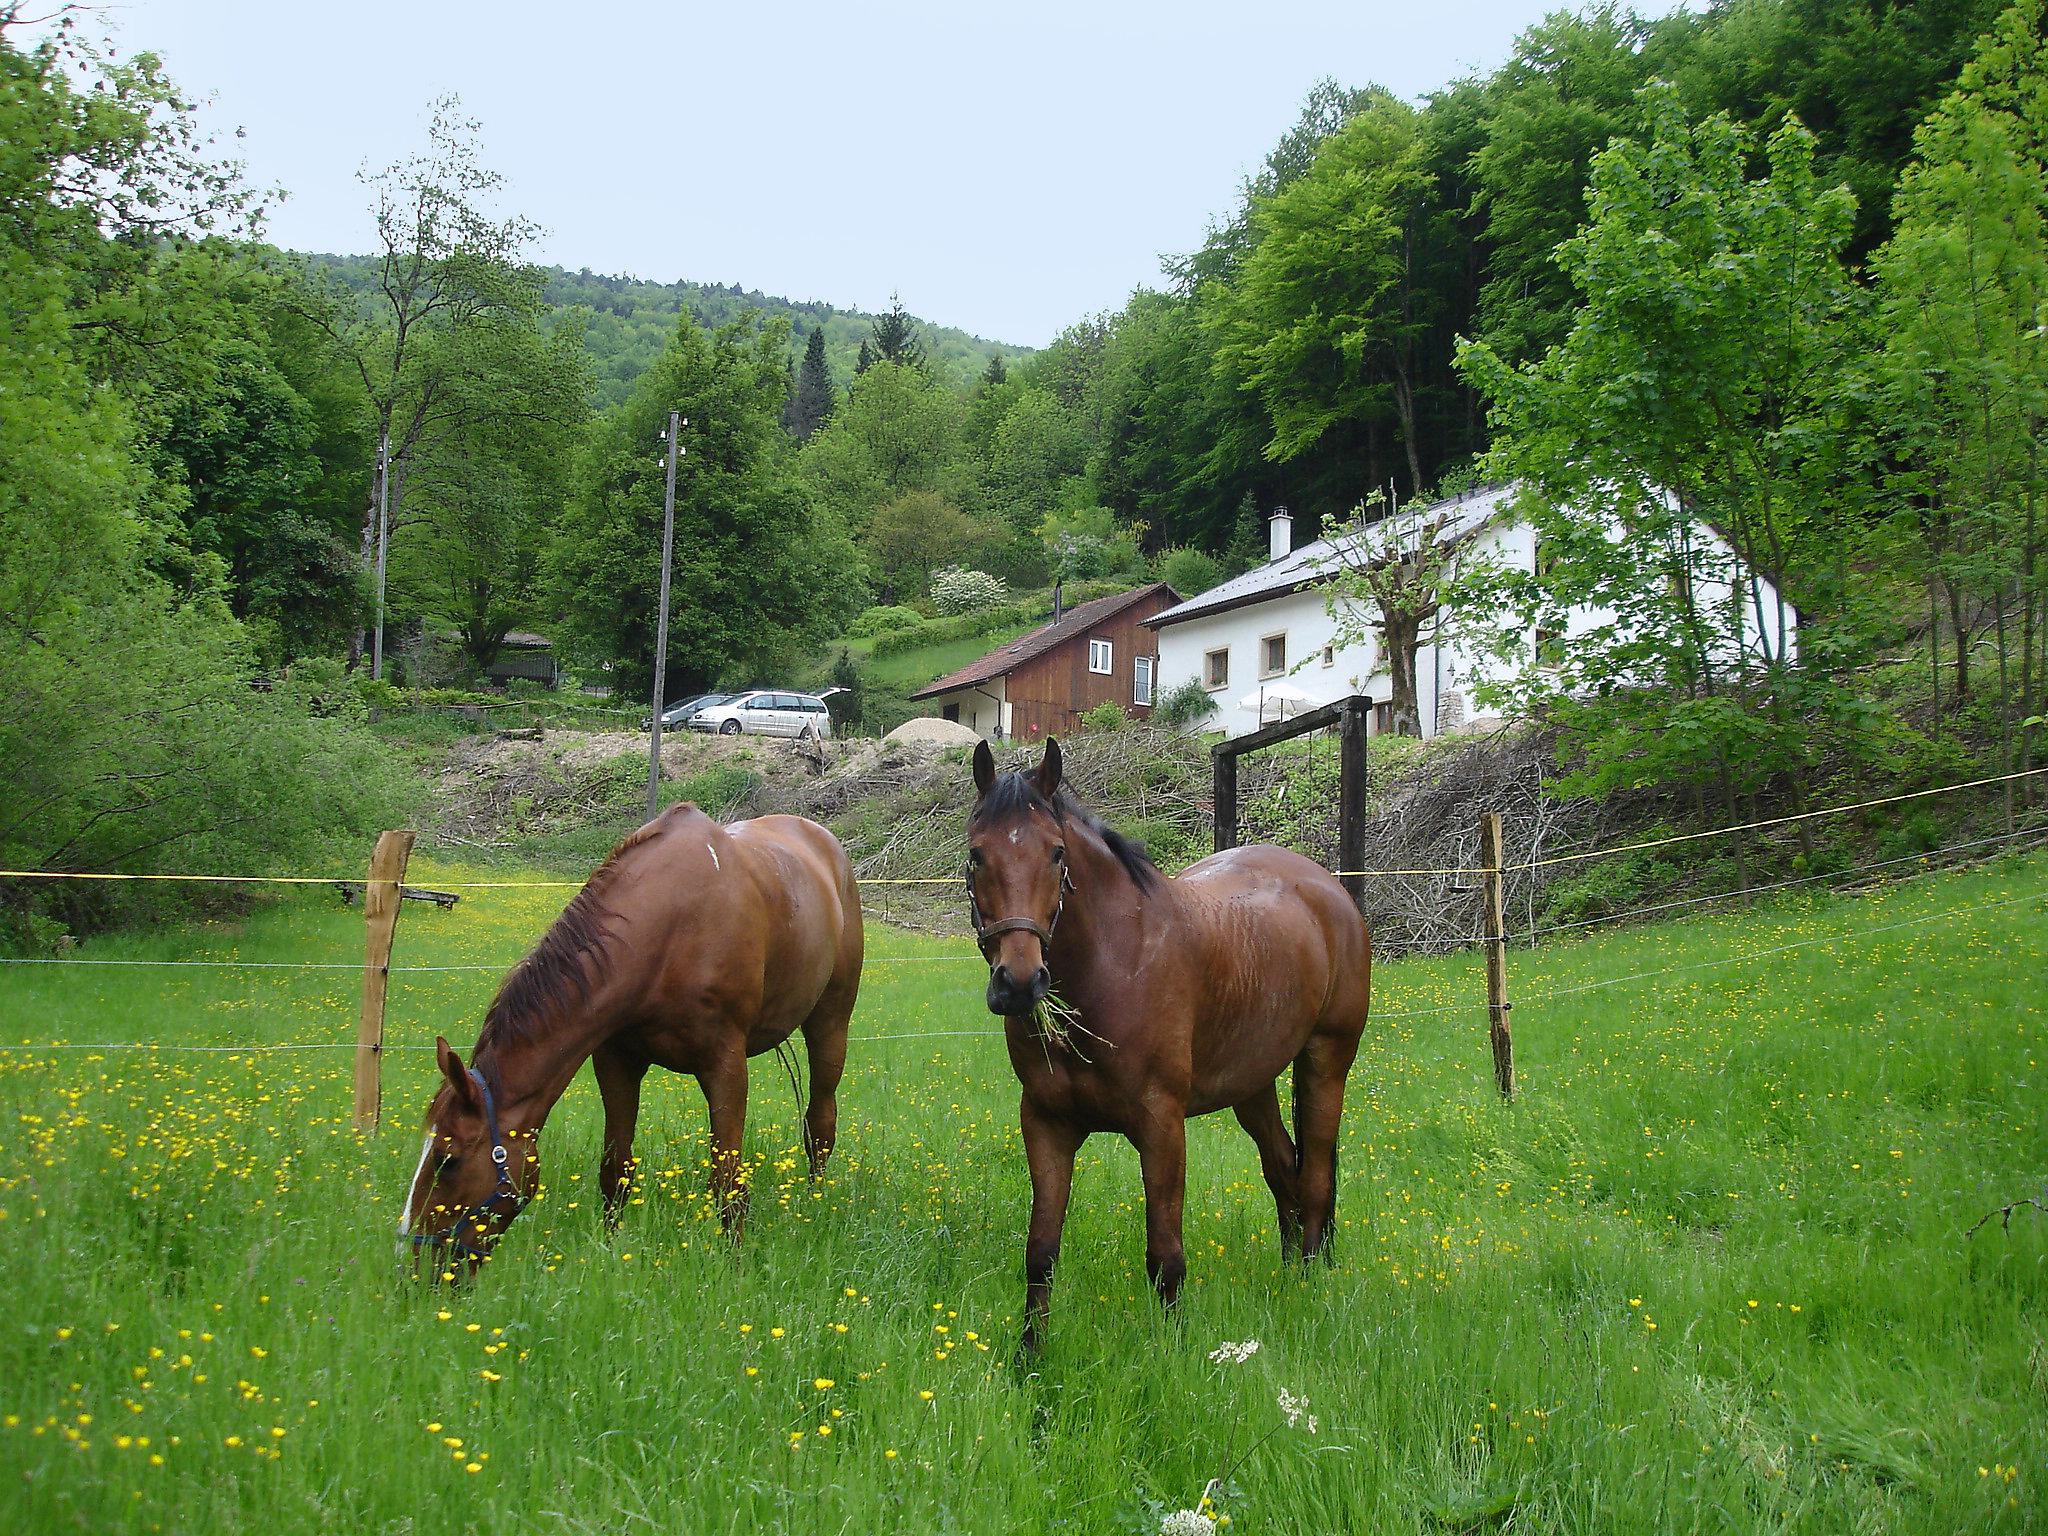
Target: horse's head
474, 1175
1016, 876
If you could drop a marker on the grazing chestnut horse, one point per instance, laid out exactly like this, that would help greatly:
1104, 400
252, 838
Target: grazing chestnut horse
693, 947
1168, 999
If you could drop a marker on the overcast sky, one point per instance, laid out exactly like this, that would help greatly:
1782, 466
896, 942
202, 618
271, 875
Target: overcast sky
1006, 169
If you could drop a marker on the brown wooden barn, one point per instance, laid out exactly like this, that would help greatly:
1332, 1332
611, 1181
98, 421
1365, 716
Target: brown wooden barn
1040, 684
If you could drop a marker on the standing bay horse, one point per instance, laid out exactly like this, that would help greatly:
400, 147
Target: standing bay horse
693, 947
1168, 999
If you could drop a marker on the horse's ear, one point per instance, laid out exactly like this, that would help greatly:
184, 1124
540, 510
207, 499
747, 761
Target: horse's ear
453, 1069
984, 768
1048, 776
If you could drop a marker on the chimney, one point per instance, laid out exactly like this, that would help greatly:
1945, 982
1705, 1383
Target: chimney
1279, 535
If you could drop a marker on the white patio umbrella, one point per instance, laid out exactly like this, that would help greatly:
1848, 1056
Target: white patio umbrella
1281, 699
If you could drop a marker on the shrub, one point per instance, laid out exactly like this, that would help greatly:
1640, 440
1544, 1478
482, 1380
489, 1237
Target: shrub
1107, 716
1185, 707
880, 621
960, 591
1190, 572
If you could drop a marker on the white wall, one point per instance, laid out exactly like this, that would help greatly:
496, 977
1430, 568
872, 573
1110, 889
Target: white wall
1446, 674
988, 718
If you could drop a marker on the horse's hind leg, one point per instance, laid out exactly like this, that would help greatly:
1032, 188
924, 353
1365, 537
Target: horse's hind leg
1260, 1116
619, 1073
825, 1047
1163, 1161
725, 1097
1319, 1073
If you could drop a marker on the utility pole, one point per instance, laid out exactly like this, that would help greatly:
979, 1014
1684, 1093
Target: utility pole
668, 539
383, 544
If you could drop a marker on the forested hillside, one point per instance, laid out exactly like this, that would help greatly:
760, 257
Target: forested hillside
627, 321
631, 318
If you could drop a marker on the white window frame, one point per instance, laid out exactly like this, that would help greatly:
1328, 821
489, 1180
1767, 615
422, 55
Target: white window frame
1266, 640
1107, 654
1211, 678
1142, 669
1330, 655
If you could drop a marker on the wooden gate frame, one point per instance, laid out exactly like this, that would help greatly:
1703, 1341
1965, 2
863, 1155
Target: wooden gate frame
1349, 715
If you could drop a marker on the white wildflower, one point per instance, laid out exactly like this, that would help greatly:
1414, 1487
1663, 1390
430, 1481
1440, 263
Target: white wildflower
1296, 1410
1186, 1522
1234, 1354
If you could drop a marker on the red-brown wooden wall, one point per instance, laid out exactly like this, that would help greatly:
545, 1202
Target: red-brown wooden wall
1049, 694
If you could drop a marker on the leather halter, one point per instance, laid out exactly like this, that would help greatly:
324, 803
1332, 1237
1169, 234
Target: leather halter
986, 933
479, 1214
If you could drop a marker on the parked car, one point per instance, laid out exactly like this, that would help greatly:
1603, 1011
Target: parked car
762, 713
676, 715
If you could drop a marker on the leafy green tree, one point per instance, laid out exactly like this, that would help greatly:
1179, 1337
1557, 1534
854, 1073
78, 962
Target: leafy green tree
137, 741
1696, 389
447, 274
898, 432
1567, 90
759, 571
1963, 286
1326, 321
1036, 460
1858, 74
914, 535
483, 492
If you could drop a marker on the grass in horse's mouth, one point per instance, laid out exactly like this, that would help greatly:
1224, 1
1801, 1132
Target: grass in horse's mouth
1058, 1019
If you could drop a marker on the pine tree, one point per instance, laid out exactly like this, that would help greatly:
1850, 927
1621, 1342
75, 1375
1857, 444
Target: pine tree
866, 360
812, 401
896, 338
995, 373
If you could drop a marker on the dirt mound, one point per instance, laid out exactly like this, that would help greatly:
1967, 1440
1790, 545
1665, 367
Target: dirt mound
942, 733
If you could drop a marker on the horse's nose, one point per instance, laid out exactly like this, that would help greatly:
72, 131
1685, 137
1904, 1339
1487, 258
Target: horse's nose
1007, 995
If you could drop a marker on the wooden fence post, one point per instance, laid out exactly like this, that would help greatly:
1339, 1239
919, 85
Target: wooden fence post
1226, 796
1351, 789
1495, 918
381, 901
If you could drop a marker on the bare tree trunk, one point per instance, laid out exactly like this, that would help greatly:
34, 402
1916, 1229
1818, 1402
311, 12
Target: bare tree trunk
1404, 640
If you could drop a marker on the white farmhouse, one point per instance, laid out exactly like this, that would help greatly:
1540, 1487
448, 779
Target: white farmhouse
1266, 645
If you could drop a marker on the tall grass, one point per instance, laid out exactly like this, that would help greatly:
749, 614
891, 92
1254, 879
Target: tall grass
1709, 1272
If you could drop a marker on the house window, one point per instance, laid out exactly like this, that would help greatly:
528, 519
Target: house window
1329, 655
1549, 648
1099, 656
1141, 685
1383, 717
950, 712
1216, 669
1273, 655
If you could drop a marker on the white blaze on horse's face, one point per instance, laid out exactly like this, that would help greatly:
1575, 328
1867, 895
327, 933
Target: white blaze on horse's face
412, 1189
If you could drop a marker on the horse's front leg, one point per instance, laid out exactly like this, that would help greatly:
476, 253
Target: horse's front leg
1049, 1146
619, 1073
1163, 1158
725, 1097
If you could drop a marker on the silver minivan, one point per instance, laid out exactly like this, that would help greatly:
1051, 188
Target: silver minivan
760, 712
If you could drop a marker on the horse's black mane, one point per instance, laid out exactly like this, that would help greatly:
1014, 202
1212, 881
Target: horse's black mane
1014, 794
556, 973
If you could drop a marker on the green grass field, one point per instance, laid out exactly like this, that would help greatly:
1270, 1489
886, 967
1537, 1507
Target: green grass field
1709, 1273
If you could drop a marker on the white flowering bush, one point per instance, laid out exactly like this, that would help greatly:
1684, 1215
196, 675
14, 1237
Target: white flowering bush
955, 590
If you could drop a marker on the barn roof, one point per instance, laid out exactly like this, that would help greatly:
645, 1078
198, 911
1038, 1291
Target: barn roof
1076, 622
